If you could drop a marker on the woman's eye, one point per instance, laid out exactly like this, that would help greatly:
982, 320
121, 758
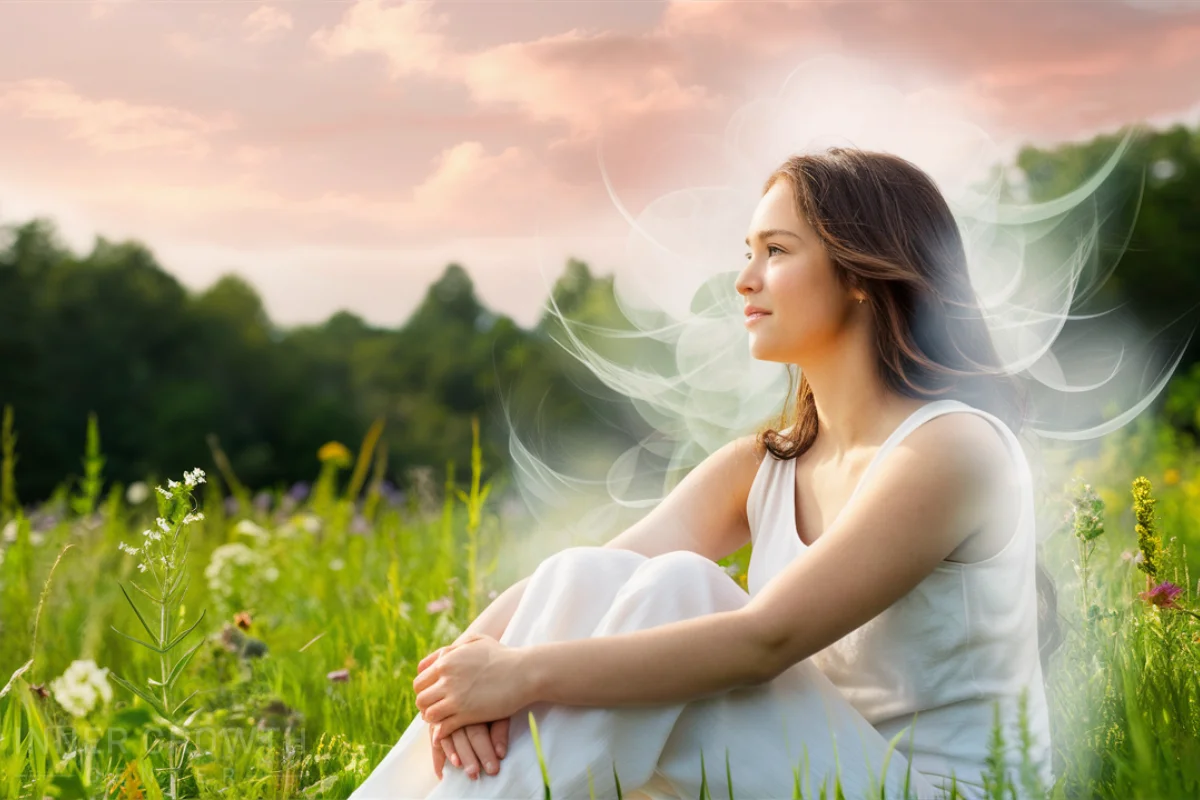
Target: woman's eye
770, 247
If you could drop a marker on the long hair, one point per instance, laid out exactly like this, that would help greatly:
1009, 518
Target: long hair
890, 234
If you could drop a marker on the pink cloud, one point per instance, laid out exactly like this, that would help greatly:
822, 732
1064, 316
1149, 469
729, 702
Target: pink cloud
266, 22
110, 124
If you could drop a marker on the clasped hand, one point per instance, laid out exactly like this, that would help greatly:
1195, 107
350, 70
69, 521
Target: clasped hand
474, 680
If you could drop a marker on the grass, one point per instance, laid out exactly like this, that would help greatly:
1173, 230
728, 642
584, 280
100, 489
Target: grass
309, 611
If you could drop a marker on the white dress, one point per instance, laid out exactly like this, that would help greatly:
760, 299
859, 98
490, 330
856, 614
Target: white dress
964, 638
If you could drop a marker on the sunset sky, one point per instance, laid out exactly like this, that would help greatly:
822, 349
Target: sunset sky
339, 153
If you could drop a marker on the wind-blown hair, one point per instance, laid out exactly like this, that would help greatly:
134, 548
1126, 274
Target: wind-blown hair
890, 234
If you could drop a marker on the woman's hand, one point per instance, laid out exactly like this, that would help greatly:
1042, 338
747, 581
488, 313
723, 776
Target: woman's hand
474, 680
472, 748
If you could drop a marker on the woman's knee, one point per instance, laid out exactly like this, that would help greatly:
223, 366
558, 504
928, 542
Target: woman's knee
586, 560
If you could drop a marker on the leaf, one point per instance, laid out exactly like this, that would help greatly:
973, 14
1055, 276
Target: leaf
183, 662
150, 701
181, 636
20, 671
141, 619
152, 648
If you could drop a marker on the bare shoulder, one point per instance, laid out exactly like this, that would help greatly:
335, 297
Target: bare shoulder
959, 457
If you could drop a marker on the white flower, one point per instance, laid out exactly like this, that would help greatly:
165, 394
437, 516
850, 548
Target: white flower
194, 477
78, 689
249, 528
172, 484
164, 525
10, 532
125, 548
337, 565
163, 492
137, 493
190, 518
141, 567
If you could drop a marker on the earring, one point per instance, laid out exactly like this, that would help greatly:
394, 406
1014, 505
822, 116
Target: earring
860, 300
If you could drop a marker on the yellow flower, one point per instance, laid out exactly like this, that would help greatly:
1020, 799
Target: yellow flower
1171, 477
334, 451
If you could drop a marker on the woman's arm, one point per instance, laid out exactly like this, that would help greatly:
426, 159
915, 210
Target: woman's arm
494, 619
930, 493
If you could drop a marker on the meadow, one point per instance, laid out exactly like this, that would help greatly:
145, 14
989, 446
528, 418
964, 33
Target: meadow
191, 638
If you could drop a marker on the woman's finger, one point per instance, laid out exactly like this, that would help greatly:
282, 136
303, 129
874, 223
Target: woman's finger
439, 754
481, 743
429, 659
449, 751
470, 762
429, 698
426, 678
498, 730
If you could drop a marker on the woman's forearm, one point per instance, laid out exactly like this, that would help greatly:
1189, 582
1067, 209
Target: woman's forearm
494, 619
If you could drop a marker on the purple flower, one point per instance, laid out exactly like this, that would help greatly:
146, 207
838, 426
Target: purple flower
1163, 595
231, 506
339, 675
359, 524
299, 491
262, 501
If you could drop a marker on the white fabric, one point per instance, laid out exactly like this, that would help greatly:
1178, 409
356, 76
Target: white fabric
963, 637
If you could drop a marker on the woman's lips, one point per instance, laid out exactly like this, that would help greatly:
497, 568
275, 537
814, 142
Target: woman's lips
752, 318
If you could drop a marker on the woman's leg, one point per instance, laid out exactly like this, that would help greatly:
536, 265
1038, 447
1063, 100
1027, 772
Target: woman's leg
566, 597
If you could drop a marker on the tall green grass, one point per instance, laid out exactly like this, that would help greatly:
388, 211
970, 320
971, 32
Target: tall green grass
311, 615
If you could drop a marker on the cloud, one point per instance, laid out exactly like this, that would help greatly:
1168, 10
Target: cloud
408, 36
112, 125
266, 22
585, 80
579, 78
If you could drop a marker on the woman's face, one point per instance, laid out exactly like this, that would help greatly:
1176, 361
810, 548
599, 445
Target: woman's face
789, 274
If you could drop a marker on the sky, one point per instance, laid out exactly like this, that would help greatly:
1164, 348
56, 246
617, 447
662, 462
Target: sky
339, 154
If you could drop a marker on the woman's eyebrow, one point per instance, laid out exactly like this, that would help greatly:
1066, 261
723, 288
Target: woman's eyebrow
761, 235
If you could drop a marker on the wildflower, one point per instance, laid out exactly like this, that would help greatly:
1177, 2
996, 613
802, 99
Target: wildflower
125, 548
1163, 595
163, 492
194, 477
1148, 541
81, 686
337, 565
190, 518
335, 452
339, 675
137, 493
242, 620
439, 605
1086, 512
262, 501
172, 484
1136, 558
1171, 477
250, 528
142, 567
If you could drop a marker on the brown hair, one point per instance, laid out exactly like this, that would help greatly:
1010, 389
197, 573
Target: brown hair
890, 235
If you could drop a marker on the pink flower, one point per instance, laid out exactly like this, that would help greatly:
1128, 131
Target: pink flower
339, 675
439, 605
1163, 595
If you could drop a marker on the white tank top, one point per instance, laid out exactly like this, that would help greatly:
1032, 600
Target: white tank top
962, 640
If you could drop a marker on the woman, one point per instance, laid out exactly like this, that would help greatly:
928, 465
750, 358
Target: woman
892, 604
